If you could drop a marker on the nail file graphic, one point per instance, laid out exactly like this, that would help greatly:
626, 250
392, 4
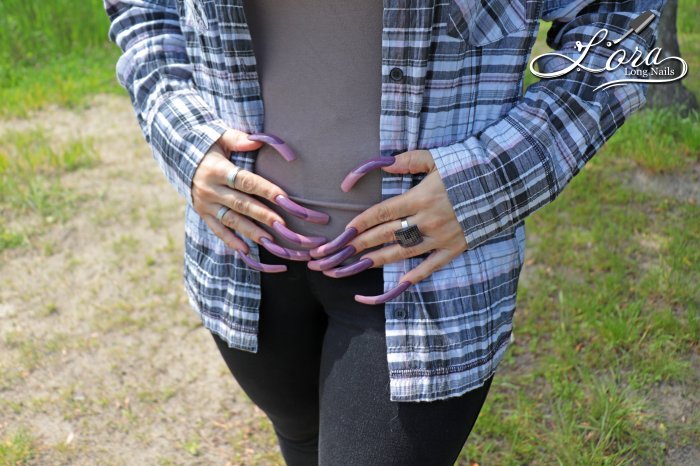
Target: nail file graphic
637, 25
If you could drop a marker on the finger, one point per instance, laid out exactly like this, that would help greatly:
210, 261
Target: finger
234, 140
247, 205
244, 226
283, 252
252, 183
351, 269
226, 235
383, 298
414, 161
379, 235
396, 252
393, 208
436, 260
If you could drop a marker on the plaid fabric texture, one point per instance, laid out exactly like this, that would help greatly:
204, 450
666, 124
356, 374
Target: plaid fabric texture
189, 68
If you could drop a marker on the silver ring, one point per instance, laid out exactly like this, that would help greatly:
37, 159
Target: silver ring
222, 211
408, 235
231, 177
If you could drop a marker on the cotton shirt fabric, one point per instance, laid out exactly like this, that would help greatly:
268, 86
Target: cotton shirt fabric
452, 75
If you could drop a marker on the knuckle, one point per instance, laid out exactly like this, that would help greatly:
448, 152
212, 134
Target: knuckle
247, 183
239, 205
383, 213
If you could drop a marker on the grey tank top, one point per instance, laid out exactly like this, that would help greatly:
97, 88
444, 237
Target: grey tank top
319, 65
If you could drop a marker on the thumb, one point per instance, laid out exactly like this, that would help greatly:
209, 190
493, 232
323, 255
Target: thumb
234, 140
413, 161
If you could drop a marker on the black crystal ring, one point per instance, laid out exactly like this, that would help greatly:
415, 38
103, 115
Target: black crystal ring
408, 235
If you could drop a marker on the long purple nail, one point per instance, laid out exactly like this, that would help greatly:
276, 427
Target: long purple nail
268, 268
331, 261
313, 216
382, 298
366, 166
301, 240
284, 253
352, 269
335, 244
278, 144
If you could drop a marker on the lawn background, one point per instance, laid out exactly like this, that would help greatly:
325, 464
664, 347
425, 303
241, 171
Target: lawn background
607, 315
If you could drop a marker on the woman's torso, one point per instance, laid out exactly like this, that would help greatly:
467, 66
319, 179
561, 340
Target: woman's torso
319, 66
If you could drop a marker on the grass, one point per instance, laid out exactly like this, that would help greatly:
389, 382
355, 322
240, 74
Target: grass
30, 169
16, 449
53, 52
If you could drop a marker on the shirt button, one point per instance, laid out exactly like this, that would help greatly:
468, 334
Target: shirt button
400, 314
396, 74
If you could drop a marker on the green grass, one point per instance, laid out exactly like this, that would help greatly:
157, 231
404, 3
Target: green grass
30, 169
53, 52
16, 449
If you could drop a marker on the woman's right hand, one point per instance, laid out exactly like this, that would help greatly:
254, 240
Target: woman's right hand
210, 192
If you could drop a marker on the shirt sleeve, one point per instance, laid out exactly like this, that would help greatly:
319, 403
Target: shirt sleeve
521, 162
155, 70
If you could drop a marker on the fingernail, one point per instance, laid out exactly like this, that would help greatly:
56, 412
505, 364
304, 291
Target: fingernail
383, 298
335, 244
295, 209
267, 268
297, 238
352, 269
284, 253
360, 171
331, 261
278, 144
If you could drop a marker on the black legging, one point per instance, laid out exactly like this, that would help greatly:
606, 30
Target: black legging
321, 376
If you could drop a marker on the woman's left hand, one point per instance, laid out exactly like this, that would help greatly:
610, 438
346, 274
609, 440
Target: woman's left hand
425, 205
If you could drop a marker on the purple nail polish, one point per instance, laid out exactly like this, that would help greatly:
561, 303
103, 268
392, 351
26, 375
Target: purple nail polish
331, 261
278, 144
284, 253
297, 238
366, 166
268, 268
313, 216
383, 298
352, 269
335, 244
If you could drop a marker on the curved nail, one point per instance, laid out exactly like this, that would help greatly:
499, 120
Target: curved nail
268, 268
335, 244
382, 298
297, 238
284, 253
313, 216
278, 144
352, 269
366, 166
331, 261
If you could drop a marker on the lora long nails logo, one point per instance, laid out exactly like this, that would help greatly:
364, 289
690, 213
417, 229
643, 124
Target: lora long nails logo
647, 68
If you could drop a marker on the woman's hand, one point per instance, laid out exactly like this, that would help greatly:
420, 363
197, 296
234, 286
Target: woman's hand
210, 192
425, 205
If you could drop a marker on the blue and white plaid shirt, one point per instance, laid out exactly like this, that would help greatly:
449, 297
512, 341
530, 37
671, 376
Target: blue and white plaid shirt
189, 68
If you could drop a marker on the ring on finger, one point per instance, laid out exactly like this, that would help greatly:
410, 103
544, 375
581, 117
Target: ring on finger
222, 211
408, 235
231, 177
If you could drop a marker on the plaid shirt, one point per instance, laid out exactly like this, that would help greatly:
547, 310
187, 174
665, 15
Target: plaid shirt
456, 90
